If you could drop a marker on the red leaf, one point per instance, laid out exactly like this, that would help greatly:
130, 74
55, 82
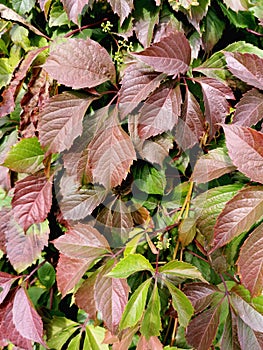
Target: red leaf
6, 281
82, 241
111, 154
215, 95
5, 216
191, 127
85, 296
122, 7
160, 112
203, 328
23, 250
238, 215
249, 109
80, 63
69, 272
60, 121
200, 295
75, 7
250, 262
152, 343
26, 319
32, 200
111, 296
212, 165
248, 339
137, 84
172, 55
247, 67
245, 143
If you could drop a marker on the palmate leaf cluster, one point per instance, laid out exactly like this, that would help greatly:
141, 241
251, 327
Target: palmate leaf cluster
131, 174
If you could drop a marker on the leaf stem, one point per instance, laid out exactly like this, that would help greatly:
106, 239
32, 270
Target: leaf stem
84, 27
174, 331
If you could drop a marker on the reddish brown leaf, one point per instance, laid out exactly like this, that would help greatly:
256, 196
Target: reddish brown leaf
229, 339
215, 95
26, 319
126, 339
80, 63
6, 281
74, 8
203, 328
191, 126
172, 55
160, 112
137, 84
249, 109
32, 200
238, 215
69, 272
212, 165
122, 7
85, 298
245, 143
200, 295
246, 66
60, 121
150, 344
111, 295
23, 250
250, 262
5, 216
111, 154
248, 338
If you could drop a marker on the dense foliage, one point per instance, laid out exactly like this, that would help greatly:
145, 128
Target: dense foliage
131, 177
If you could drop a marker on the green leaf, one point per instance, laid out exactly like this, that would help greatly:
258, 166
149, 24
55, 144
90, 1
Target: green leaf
129, 265
75, 343
94, 338
151, 324
3, 47
5, 72
130, 247
181, 269
181, 304
47, 275
26, 156
19, 36
58, 17
214, 28
23, 6
59, 330
135, 306
35, 293
149, 179
240, 19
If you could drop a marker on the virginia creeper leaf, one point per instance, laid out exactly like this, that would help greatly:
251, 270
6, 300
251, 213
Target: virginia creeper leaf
171, 55
203, 328
238, 215
151, 343
6, 281
130, 264
160, 112
122, 7
85, 298
213, 31
248, 339
149, 179
245, 143
74, 8
32, 200
135, 307
250, 262
181, 269
246, 67
200, 295
229, 339
26, 319
212, 165
249, 109
26, 156
75, 342
94, 338
60, 121
236, 5
23, 6
59, 330
80, 63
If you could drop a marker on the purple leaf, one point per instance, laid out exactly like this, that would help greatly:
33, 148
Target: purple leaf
122, 7
74, 8
80, 63
200, 295
172, 55
6, 281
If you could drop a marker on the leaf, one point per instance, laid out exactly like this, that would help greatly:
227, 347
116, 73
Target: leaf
249, 109
47, 275
122, 7
195, 14
111, 154
80, 63
74, 8
82, 241
75, 342
94, 338
213, 30
238, 215
186, 231
181, 304
149, 179
26, 319
190, 126
181, 269
247, 313
26, 156
6, 281
203, 328
23, 6
5, 72
200, 295
151, 343
85, 296
229, 339
137, 84
215, 95
248, 339
59, 330
245, 143
111, 296
32, 200
135, 307
246, 67
130, 264
23, 250
212, 165
250, 262
60, 121
236, 5
160, 112
151, 323
172, 55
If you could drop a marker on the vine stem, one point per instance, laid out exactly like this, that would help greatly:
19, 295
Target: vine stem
84, 27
